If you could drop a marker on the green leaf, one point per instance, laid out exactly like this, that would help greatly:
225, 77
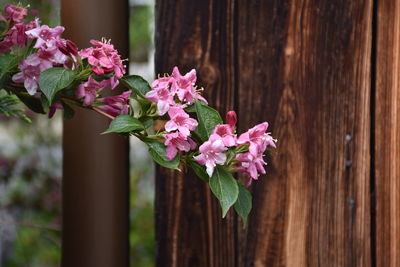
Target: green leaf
45, 103
68, 111
207, 118
102, 77
190, 109
9, 107
54, 80
4, 80
8, 63
225, 188
243, 204
137, 84
147, 122
158, 151
124, 124
31, 102
144, 105
199, 170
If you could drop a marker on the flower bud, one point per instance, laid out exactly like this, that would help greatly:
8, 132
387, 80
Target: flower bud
72, 48
231, 118
35, 13
62, 46
67, 47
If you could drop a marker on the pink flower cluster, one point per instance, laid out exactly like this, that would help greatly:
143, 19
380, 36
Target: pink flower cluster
14, 13
15, 36
251, 163
167, 90
104, 60
179, 126
48, 54
51, 50
172, 94
213, 151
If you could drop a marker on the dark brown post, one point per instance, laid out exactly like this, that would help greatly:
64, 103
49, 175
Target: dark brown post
95, 177
303, 66
189, 228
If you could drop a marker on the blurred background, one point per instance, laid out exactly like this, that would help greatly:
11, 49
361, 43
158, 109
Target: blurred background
30, 183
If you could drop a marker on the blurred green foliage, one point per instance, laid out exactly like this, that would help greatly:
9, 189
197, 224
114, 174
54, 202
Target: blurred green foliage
140, 33
36, 245
30, 191
141, 236
142, 232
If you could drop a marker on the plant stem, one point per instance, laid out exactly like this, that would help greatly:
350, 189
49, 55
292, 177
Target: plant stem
18, 88
102, 113
79, 104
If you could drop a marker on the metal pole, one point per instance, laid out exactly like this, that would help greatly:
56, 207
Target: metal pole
96, 167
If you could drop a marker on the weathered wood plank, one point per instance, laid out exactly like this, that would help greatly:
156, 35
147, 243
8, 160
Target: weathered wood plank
195, 34
304, 66
387, 134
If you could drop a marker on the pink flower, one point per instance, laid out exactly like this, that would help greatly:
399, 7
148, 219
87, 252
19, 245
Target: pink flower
211, 153
184, 81
180, 121
161, 94
177, 142
250, 165
5, 45
255, 137
53, 108
104, 59
267, 141
231, 118
224, 133
31, 68
184, 86
15, 36
116, 105
45, 35
47, 41
52, 53
15, 13
89, 90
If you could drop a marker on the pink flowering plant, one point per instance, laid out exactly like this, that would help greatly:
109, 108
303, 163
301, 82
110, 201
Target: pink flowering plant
46, 72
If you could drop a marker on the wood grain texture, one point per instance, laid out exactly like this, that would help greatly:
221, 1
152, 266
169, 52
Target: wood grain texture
387, 134
195, 34
303, 66
306, 69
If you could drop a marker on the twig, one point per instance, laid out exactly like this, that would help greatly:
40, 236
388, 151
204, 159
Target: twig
40, 226
18, 88
102, 113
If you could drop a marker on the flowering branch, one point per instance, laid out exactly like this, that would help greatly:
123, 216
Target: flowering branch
47, 72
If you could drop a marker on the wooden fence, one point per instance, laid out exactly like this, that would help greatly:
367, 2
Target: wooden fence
325, 75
